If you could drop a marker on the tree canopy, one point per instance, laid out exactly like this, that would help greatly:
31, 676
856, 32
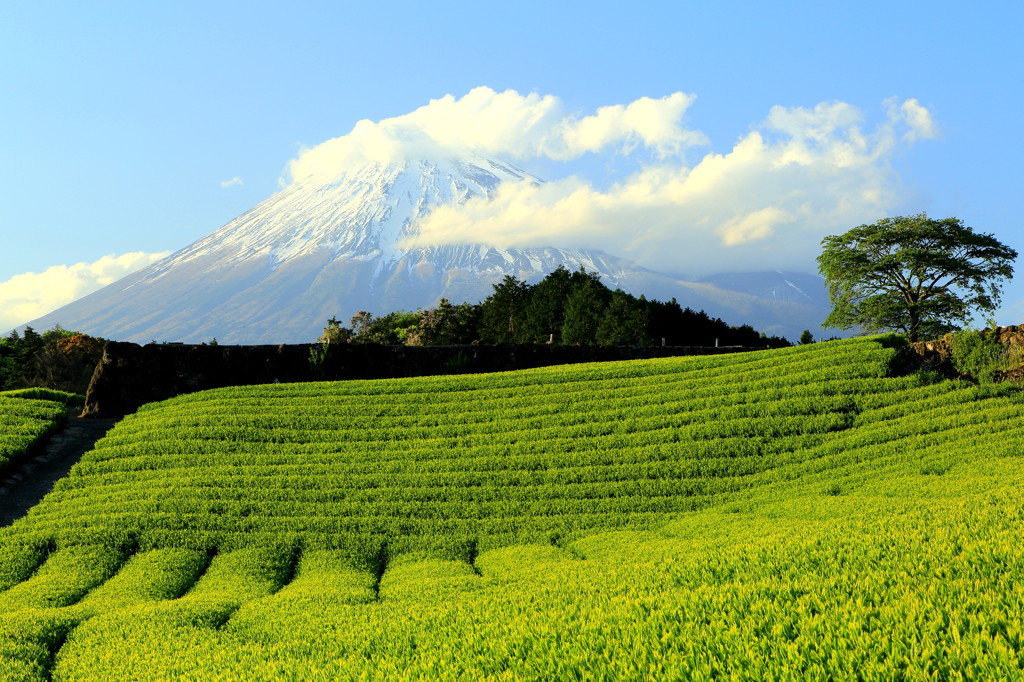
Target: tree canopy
57, 358
913, 274
565, 307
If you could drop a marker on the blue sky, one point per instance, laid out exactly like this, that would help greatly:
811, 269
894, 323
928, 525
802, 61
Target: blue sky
131, 129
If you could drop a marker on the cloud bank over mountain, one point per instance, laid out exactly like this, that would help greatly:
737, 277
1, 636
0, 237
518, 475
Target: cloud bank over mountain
506, 124
799, 174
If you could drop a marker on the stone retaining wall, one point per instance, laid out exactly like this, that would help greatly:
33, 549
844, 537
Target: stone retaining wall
937, 354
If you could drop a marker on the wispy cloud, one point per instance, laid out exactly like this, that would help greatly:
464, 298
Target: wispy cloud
30, 295
233, 182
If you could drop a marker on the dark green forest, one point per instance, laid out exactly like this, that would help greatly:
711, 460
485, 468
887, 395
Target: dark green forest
571, 308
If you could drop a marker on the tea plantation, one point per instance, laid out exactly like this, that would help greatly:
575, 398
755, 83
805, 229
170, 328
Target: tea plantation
792, 514
27, 417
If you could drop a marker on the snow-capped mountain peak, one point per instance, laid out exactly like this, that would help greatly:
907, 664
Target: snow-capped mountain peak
330, 245
364, 213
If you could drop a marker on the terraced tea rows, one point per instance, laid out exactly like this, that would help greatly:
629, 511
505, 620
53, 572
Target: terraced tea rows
26, 418
474, 461
791, 514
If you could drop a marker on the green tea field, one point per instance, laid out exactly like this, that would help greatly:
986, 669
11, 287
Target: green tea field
780, 515
28, 416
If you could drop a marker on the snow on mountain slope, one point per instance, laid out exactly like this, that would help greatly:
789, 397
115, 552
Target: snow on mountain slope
323, 248
362, 214
775, 285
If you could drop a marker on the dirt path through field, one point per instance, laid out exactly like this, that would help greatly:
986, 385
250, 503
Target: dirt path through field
23, 487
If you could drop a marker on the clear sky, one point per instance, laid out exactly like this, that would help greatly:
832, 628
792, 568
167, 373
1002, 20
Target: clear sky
131, 129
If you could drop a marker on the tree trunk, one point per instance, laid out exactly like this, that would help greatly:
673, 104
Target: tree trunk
915, 323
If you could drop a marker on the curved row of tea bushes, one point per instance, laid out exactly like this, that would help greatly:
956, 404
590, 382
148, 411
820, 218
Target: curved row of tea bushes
867, 585
451, 462
792, 514
27, 418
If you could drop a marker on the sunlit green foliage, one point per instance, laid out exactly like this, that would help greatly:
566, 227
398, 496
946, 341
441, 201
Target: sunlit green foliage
69, 399
792, 514
913, 274
978, 354
26, 421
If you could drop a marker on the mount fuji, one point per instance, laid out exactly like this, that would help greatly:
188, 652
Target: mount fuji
328, 247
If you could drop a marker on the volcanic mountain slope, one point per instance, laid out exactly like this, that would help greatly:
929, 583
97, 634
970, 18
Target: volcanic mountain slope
323, 248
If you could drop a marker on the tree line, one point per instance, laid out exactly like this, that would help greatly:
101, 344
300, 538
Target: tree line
911, 274
571, 308
57, 358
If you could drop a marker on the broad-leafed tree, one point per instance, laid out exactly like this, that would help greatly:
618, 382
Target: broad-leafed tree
913, 274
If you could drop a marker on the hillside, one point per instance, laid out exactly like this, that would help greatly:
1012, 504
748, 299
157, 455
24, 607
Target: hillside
785, 514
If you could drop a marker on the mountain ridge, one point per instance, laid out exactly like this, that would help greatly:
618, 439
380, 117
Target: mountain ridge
328, 246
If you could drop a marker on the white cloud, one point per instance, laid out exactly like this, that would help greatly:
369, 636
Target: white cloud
800, 175
30, 295
752, 226
233, 182
508, 124
918, 119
